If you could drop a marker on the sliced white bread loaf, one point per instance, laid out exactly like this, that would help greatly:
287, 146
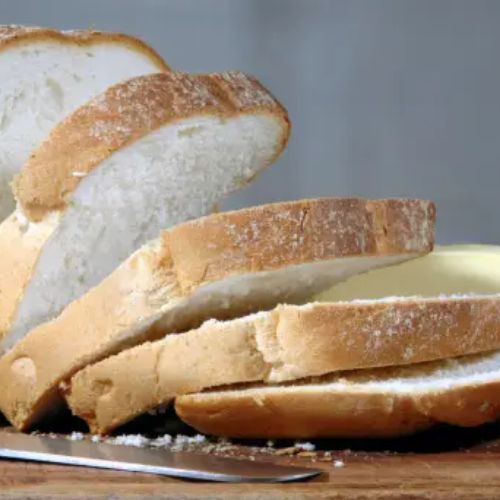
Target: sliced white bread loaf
287, 343
221, 266
148, 153
367, 403
46, 75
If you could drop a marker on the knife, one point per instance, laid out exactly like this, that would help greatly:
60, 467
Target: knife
187, 465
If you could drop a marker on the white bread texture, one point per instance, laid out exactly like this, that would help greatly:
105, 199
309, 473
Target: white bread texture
222, 266
287, 343
147, 154
46, 75
368, 403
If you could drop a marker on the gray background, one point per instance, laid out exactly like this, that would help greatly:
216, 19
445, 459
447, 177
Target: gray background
387, 97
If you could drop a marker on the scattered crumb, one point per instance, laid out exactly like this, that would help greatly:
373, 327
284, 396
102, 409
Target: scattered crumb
162, 441
305, 446
484, 406
78, 174
129, 440
182, 442
203, 444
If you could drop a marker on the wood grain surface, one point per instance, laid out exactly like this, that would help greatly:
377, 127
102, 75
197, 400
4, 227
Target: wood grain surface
442, 463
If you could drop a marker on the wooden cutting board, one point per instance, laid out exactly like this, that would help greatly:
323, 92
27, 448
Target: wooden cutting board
443, 463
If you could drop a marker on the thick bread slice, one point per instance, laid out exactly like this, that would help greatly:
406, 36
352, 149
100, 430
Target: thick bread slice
220, 266
369, 404
148, 153
287, 343
46, 75
450, 269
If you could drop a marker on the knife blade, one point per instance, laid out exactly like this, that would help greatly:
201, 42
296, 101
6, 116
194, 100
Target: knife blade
187, 465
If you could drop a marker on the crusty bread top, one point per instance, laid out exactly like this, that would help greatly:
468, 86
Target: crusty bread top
373, 333
11, 35
271, 236
121, 115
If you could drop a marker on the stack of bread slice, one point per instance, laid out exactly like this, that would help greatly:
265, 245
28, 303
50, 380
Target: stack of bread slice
222, 266
145, 154
309, 318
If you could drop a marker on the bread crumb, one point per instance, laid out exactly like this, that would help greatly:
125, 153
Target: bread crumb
129, 440
338, 464
162, 441
305, 446
484, 406
75, 436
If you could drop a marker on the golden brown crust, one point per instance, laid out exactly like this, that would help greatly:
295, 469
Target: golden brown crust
157, 278
82, 333
18, 35
104, 397
324, 337
338, 412
271, 236
307, 415
124, 113
287, 343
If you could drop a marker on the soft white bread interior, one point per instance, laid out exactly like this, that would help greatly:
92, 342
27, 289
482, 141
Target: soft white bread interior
147, 154
367, 403
46, 75
447, 270
287, 343
221, 266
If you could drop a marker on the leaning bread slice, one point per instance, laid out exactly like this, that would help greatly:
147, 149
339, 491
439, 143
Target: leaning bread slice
221, 266
148, 153
287, 343
368, 403
47, 74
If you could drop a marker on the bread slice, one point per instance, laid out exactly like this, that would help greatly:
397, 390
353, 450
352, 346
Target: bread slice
147, 154
288, 343
46, 75
368, 403
447, 270
221, 266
